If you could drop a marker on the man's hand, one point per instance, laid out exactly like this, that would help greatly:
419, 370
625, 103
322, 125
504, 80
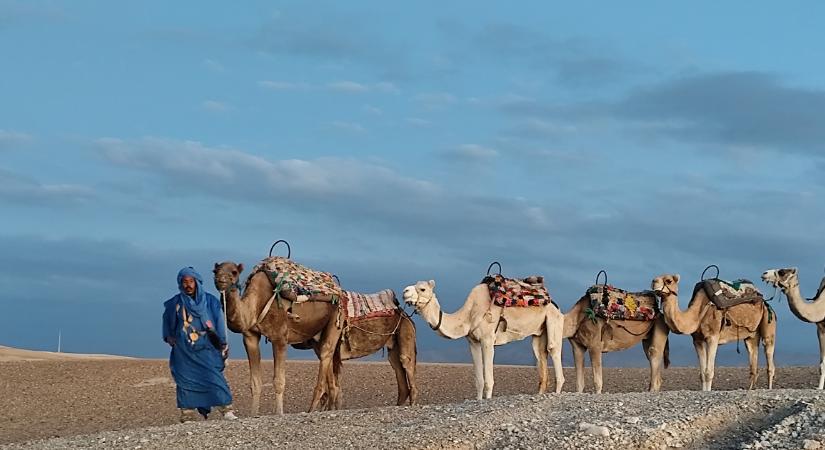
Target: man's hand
170, 340
225, 351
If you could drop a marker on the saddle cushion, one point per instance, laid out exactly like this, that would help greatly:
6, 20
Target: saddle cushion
612, 303
287, 274
507, 292
366, 306
725, 294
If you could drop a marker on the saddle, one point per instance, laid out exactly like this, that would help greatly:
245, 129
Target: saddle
611, 303
287, 275
725, 294
512, 292
366, 306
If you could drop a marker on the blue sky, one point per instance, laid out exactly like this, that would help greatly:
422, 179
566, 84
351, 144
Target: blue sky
392, 144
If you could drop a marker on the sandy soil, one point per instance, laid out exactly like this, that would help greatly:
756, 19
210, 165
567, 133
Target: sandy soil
72, 396
16, 354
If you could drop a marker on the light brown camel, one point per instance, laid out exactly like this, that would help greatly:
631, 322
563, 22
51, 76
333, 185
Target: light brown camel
597, 336
813, 311
314, 324
486, 325
710, 326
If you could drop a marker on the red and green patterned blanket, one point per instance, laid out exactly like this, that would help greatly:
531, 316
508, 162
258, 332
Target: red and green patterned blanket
508, 292
612, 303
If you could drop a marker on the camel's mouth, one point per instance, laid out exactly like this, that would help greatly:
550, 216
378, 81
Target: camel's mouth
770, 279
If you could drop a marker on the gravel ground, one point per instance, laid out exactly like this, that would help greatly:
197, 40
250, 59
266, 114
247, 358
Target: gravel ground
71, 399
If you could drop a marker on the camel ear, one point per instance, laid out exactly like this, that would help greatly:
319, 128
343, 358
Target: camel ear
793, 270
431, 283
216, 267
676, 278
240, 267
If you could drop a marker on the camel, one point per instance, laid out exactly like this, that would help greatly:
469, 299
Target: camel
598, 336
486, 325
710, 326
311, 324
814, 312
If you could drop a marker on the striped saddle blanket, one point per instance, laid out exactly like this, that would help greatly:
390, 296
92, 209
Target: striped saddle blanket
611, 303
725, 294
366, 306
507, 292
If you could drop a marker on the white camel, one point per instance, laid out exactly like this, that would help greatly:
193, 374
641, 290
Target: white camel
486, 325
813, 311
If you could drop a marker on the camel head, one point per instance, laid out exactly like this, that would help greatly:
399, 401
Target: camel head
227, 275
781, 278
665, 284
419, 294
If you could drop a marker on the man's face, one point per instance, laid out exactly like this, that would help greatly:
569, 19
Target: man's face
189, 286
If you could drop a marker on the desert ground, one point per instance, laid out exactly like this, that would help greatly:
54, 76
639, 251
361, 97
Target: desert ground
55, 396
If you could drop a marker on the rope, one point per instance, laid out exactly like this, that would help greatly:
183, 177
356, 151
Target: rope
639, 334
398, 324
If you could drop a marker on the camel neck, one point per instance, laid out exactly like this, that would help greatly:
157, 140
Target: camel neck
813, 311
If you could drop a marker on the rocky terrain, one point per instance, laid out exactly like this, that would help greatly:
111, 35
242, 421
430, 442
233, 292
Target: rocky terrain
130, 404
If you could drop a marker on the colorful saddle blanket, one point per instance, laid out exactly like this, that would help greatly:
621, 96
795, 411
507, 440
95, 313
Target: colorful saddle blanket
285, 273
612, 303
508, 292
725, 294
366, 306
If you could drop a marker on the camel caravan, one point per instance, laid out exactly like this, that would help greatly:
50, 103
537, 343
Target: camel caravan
290, 304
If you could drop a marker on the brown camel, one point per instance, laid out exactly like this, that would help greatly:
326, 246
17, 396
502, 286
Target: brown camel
710, 326
319, 324
597, 336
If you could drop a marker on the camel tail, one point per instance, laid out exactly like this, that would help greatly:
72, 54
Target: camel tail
667, 353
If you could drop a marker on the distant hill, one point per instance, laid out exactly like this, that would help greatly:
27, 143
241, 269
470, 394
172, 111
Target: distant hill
17, 354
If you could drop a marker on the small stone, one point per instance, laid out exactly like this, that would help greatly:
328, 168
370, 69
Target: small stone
596, 430
633, 420
808, 444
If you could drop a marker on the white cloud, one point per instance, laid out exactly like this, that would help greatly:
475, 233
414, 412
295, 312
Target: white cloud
373, 110
349, 127
472, 153
213, 65
22, 189
347, 86
10, 139
283, 85
215, 106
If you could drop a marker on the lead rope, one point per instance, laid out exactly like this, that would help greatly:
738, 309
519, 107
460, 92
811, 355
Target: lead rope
225, 326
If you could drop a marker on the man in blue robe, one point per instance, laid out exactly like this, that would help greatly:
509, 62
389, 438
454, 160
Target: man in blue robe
193, 325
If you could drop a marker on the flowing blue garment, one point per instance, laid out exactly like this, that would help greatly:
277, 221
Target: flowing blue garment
196, 364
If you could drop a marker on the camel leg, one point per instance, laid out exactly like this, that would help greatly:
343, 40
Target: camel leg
752, 346
335, 397
408, 356
252, 344
478, 367
540, 351
702, 356
596, 364
393, 355
326, 351
578, 359
769, 342
488, 353
820, 332
655, 351
555, 354
710, 365
279, 378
